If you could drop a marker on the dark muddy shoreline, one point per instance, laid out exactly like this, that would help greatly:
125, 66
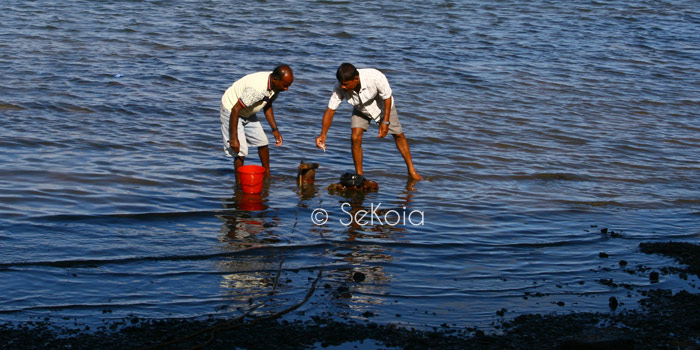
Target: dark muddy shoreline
663, 320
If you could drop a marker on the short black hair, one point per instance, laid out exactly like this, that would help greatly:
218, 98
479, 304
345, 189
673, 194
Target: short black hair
280, 71
346, 72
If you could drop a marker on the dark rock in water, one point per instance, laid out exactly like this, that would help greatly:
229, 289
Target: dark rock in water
608, 282
623, 263
684, 252
613, 303
613, 344
358, 277
367, 186
654, 277
610, 233
603, 255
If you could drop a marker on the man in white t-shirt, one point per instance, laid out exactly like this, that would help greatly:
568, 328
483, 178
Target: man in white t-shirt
368, 91
240, 102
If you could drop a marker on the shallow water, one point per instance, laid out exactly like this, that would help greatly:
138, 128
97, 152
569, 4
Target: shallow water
536, 124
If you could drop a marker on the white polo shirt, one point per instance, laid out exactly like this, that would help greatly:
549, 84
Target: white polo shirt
374, 89
253, 91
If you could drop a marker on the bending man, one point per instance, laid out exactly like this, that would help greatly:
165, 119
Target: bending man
368, 91
240, 102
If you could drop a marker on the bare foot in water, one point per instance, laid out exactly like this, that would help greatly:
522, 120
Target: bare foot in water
414, 176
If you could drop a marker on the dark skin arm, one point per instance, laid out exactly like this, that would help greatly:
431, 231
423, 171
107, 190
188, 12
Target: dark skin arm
327, 120
270, 116
233, 127
384, 128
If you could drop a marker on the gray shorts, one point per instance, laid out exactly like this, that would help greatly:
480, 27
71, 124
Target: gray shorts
250, 133
360, 120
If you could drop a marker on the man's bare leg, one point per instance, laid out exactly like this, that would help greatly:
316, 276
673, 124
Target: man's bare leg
402, 146
356, 140
264, 153
237, 163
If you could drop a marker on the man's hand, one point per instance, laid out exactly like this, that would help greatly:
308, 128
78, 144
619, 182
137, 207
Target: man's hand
321, 142
383, 130
278, 138
235, 145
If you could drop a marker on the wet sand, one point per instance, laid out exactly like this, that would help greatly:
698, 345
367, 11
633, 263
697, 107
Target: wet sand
662, 320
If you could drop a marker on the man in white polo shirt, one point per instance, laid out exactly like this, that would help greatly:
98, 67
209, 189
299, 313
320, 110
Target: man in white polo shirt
368, 91
240, 102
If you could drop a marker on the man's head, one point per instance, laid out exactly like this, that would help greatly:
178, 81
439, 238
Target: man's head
348, 77
281, 78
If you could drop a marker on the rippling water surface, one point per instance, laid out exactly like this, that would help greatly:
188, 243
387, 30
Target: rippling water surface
541, 128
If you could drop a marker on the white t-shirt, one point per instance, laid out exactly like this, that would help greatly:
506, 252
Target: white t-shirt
374, 89
253, 91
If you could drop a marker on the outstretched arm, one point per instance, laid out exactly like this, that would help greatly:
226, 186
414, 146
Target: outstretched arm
327, 120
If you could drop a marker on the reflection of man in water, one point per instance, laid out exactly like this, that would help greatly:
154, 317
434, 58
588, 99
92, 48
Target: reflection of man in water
242, 227
237, 229
246, 276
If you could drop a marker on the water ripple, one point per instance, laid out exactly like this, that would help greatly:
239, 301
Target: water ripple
535, 124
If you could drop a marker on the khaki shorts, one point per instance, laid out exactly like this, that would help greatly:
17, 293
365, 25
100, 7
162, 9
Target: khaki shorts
250, 133
360, 120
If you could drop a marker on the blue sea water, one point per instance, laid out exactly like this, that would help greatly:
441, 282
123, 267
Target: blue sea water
548, 133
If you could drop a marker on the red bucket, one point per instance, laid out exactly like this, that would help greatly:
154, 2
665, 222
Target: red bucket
251, 178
